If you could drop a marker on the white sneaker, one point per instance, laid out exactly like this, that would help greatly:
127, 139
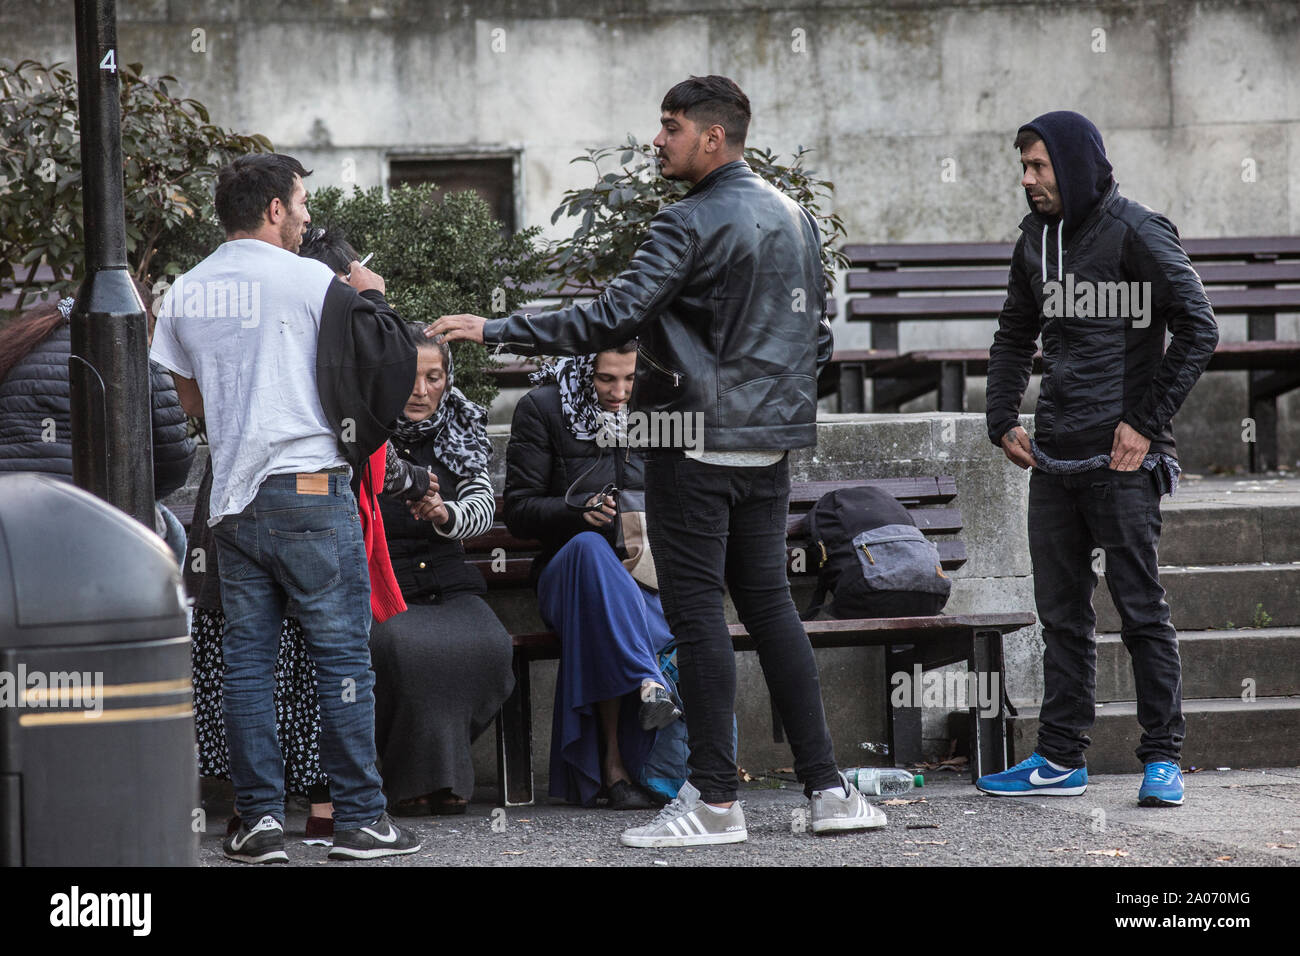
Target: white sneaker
832, 812
686, 821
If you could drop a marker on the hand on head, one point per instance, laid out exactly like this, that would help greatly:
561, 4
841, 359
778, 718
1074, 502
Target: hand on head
457, 328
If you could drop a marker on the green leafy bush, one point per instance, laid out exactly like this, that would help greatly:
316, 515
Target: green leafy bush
170, 155
439, 257
616, 211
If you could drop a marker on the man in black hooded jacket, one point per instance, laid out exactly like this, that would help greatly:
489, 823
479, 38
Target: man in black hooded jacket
1102, 279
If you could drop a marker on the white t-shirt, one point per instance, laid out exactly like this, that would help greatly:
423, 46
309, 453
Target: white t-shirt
243, 324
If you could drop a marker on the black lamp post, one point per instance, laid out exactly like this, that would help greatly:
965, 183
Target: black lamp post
108, 369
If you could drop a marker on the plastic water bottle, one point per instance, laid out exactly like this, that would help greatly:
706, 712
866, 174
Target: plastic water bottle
883, 781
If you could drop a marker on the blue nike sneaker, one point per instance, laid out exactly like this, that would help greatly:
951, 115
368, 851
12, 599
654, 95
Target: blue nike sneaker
1033, 777
1162, 785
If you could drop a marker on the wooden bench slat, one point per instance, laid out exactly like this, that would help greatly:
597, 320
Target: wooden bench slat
1250, 248
994, 278
952, 555
835, 633
937, 307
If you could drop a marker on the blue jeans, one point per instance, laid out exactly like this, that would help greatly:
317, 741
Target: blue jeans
1071, 517
298, 554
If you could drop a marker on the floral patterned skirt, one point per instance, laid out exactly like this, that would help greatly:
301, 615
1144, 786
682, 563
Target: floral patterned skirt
297, 706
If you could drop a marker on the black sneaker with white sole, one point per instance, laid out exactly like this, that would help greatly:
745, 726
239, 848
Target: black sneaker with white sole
381, 838
264, 843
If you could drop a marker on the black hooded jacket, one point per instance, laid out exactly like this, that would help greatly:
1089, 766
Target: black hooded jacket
365, 369
1101, 284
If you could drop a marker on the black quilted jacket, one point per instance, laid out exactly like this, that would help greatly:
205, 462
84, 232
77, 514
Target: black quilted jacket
36, 391
543, 460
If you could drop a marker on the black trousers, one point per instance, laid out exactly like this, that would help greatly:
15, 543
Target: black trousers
712, 528
1109, 521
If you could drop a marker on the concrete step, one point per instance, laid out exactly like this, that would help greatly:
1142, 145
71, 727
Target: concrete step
1252, 531
1215, 664
1220, 733
1203, 598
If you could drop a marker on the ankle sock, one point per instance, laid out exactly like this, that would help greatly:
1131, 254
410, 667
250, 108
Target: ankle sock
1057, 767
709, 806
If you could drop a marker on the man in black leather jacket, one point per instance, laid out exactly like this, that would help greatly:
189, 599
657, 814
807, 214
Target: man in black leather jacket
727, 295
1101, 278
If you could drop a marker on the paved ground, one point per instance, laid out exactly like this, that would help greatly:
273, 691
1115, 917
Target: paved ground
1233, 818
1269, 489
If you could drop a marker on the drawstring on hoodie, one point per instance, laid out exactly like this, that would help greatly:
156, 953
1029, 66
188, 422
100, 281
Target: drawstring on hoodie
1060, 254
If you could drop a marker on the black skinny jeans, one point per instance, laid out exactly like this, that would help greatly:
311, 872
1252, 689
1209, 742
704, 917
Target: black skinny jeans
1069, 517
713, 527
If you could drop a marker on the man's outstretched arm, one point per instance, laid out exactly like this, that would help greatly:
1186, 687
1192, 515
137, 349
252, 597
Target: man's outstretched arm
655, 275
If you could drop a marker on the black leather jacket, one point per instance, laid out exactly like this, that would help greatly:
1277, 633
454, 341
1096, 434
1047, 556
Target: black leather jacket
1100, 370
728, 298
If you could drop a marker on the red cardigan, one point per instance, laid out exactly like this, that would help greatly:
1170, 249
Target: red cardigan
385, 596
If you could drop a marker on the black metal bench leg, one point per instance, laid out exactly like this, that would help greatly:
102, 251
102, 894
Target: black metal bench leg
515, 742
1262, 403
884, 335
988, 743
952, 387
853, 389
904, 723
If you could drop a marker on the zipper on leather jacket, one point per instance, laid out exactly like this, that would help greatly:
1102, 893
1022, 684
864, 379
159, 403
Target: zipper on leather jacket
676, 376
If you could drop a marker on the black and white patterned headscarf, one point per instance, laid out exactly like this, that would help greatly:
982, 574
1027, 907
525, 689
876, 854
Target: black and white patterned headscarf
457, 428
581, 409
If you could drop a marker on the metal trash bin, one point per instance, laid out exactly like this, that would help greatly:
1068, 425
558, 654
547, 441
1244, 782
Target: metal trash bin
97, 749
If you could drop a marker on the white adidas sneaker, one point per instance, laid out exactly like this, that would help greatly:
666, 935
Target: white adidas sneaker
832, 812
686, 821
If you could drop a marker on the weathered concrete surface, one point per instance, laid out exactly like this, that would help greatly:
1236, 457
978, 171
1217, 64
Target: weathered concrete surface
891, 94
1230, 596
1264, 662
1220, 733
1241, 818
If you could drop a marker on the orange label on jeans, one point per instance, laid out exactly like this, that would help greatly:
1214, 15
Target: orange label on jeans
313, 484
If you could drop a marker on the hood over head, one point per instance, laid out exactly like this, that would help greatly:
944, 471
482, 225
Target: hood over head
1083, 174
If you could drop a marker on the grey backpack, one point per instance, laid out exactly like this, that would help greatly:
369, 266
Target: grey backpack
873, 558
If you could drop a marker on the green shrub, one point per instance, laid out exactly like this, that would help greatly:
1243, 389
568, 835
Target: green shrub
616, 211
170, 156
439, 257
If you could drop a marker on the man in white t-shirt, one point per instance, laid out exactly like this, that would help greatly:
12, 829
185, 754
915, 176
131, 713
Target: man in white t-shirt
239, 332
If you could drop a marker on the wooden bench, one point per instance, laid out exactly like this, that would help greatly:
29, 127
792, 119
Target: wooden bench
929, 641
891, 284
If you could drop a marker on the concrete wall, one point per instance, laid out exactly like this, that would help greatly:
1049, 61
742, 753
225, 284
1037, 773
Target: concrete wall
885, 92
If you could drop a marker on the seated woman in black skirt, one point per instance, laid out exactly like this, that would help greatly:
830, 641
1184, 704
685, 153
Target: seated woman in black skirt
609, 697
442, 667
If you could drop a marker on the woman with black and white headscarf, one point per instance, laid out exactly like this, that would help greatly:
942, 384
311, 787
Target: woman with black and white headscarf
611, 699
442, 667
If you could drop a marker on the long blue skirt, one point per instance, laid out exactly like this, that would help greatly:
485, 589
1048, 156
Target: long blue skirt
611, 630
